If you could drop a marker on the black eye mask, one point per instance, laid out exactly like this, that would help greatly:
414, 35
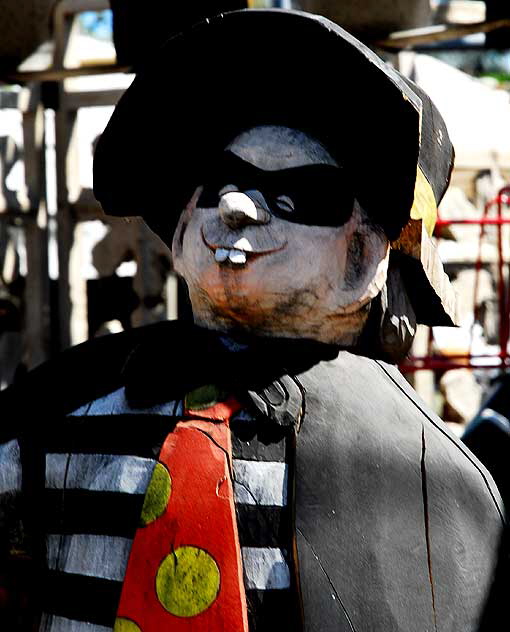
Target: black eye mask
320, 194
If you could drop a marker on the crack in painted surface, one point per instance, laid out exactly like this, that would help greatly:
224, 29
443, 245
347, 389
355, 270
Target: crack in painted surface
225, 452
427, 523
248, 490
463, 449
337, 596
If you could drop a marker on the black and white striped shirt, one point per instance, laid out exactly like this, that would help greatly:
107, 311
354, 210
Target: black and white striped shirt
98, 464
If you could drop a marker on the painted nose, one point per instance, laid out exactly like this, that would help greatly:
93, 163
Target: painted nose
239, 209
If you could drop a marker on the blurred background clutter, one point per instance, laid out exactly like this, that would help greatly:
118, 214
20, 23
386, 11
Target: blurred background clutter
68, 273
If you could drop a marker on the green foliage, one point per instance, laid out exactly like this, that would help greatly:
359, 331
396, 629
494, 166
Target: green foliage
502, 77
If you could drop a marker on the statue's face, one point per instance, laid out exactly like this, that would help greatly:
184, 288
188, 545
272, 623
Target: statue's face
275, 244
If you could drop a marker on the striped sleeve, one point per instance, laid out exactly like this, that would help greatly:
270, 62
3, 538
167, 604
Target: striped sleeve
10, 467
11, 531
261, 473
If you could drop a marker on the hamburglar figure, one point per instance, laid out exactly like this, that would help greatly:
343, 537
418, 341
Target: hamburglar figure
266, 467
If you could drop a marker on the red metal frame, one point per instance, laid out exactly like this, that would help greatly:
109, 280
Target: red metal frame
502, 359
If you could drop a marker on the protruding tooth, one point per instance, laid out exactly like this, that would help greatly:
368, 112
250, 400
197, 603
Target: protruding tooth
221, 255
237, 256
243, 244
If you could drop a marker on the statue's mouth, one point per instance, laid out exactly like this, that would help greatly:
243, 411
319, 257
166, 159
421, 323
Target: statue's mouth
239, 247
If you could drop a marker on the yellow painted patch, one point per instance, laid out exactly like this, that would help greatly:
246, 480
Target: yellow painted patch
424, 204
157, 495
125, 625
188, 581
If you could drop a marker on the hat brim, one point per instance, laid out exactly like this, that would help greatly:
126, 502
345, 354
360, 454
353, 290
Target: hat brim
249, 68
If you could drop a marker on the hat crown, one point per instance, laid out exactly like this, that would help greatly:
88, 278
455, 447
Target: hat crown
276, 147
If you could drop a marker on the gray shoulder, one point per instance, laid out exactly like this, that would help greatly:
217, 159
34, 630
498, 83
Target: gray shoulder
370, 405
385, 492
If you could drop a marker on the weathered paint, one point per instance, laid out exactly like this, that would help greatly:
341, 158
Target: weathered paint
10, 472
99, 472
260, 483
265, 569
91, 555
115, 403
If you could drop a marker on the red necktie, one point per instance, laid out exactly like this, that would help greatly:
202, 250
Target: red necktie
185, 571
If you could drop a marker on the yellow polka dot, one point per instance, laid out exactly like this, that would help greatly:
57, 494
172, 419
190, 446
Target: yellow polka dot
188, 581
125, 625
157, 495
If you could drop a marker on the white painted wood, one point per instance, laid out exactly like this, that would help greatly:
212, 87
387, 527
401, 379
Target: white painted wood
260, 483
458, 11
265, 569
99, 472
10, 467
116, 404
51, 623
91, 555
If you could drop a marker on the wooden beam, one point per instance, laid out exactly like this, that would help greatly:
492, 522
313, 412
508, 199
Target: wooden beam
36, 334
69, 7
440, 33
8, 199
33, 147
66, 157
458, 12
75, 100
59, 74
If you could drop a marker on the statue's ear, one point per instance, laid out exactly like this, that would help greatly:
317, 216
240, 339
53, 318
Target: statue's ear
397, 318
391, 324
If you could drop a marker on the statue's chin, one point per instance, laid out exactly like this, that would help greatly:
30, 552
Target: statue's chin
341, 329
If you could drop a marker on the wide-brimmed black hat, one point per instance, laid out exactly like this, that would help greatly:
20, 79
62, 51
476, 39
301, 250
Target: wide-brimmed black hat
255, 67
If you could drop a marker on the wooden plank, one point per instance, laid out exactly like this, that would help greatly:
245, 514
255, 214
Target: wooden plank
65, 148
37, 339
458, 11
67, 7
8, 199
440, 33
58, 74
371, 17
36, 336
64, 27
33, 145
92, 98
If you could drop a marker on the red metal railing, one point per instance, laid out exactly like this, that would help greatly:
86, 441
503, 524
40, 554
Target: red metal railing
500, 360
